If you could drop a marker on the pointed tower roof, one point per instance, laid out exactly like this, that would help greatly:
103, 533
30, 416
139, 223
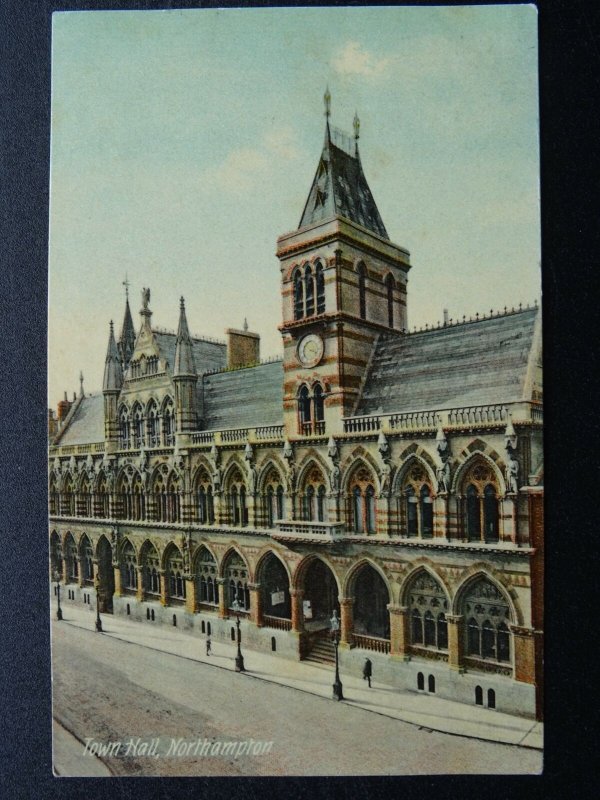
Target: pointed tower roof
113, 372
184, 350
339, 186
127, 338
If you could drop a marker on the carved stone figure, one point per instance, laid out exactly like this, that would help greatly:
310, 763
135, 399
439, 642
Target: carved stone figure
145, 298
334, 478
512, 473
443, 477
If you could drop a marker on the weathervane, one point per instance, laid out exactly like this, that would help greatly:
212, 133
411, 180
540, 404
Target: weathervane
126, 285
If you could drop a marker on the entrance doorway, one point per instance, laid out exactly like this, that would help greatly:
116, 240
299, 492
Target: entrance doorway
106, 576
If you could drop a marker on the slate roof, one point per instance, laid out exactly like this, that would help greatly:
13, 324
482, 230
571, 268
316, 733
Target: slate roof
86, 426
207, 355
340, 187
244, 397
475, 363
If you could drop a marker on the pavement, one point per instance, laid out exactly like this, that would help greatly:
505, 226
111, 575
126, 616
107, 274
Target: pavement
423, 710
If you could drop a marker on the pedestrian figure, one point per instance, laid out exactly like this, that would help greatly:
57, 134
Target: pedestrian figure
367, 671
208, 645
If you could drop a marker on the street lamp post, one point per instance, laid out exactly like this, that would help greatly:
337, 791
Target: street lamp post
239, 659
59, 615
98, 620
335, 635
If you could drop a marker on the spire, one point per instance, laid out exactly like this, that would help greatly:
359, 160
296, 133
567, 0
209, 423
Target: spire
184, 350
113, 372
339, 187
127, 338
81, 392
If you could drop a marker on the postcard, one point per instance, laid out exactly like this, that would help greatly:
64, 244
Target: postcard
295, 392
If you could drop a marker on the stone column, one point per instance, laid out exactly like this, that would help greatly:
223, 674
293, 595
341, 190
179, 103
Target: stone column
190, 594
118, 585
440, 516
508, 519
139, 592
346, 622
399, 640
455, 641
297, 596
223, 611
524, 647
164, 589
256, 604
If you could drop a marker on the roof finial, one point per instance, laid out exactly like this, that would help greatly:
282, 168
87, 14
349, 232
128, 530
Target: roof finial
112, 328
81, 384
356, 124
181, 303
327, 99
126, 285
245, 324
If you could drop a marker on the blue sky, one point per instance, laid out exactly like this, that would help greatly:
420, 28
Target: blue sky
185, 142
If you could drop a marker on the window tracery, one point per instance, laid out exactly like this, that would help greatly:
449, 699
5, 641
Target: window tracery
487, 617
428, 607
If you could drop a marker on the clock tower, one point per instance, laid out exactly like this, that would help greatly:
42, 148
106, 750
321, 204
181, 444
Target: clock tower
343, 286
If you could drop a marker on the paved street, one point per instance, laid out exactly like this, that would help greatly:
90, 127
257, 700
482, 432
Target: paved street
109, 691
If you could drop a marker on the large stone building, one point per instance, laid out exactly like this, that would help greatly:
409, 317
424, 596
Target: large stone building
392, 476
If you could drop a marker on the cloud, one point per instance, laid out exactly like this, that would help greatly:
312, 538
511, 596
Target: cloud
245, 166
353, 59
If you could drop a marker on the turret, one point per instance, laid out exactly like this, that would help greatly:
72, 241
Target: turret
185, 376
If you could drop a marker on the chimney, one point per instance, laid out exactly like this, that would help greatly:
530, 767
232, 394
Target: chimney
243, 347
445, 317
63, 409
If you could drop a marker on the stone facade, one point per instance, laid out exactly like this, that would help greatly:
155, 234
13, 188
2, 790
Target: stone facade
421, 530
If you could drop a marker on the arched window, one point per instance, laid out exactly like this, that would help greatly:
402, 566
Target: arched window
487, 613
428, 607
362, 515
319, 408
138, 499
414, 503
304, 410
72, 557
206, 577
298, 295
480, 504
124, 428
309, 285
272, 498
238, 512
205, 511
68, 498
236, 578
478, 695
320, 288
153, 425
85, 498
313, 496
280, 502
53, 497
151, 569
174, 498
87, 560
389, 288
101, 506
138, 426
362, 291
175, 570
159, 496
128, 568
168, 417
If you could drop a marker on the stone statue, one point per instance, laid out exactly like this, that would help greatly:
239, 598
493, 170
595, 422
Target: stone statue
216, 479
334, 478
253, 476
443, 477
512, 473
386, 475
145, 298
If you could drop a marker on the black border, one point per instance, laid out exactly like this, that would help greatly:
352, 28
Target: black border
569, 103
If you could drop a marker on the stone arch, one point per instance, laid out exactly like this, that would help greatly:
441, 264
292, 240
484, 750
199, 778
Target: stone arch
272, 462
422, 565
310, 460
368, 585
174, 570
264, 553
87, 554
202, 465
299, 573
231, 550
274, 577
485, 571
406, 462
321, 587
234, 463
167, 551
56, 552
198, 552
352, 461
106, 574
469, 455
236, 578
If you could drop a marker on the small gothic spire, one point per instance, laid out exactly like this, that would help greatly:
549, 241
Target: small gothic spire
245, 324
113, 372
126, 285
327, 99
356, 125
184, 352
80, 384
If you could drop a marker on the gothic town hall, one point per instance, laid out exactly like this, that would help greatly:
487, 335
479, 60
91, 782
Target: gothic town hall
393, 477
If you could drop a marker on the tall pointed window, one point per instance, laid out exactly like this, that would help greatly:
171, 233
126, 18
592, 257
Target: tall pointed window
298, 295
319, 408
362, 515
313, 497
362, 290
320, 288
487, 613
204, 495
415, 503
428, 606
124, 428
168, 416
153, 425
304, 410
309, 291
480, 504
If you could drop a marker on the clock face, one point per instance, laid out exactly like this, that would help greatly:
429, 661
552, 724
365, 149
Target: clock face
310, 350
